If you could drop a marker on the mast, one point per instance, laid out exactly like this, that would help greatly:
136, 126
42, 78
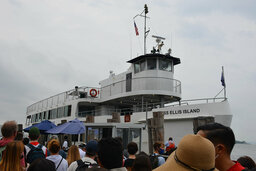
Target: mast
145, 11
145, 24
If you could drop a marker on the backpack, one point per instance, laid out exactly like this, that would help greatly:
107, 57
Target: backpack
154, 161
82, 166
1, 152
34, 153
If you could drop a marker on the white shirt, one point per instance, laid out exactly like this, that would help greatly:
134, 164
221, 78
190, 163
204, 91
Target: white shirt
56, 159
82, 153
74, 165
161, 160
65, 144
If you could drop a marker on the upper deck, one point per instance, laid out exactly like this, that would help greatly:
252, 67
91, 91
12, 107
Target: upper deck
148, 80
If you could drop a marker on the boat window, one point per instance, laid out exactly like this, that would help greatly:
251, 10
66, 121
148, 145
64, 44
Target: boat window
142, 65
93, 133
32, 118
28, 120
36, 117
151, 64
137, 67
54, 113
46, 115
69, 110
65, 111
60, 112
165, 64
49, 114
40, 116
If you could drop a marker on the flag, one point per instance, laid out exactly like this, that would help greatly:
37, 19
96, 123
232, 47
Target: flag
222, 79
136, 29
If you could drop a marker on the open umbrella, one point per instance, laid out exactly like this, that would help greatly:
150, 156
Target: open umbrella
72, 127
42, 126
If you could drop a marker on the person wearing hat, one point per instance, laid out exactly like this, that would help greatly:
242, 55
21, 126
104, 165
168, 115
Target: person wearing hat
35, 150
194, 153
82, 150
88, 160
223, 139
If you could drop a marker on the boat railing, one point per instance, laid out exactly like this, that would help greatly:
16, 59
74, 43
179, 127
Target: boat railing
62, 98
197, 101
148, 107
142, 83
118, 87
99, 112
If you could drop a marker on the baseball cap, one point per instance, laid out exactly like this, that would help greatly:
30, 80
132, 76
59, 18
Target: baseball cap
92, 147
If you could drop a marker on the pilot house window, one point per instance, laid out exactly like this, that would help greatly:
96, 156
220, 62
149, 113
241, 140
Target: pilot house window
165, 64
142, 65
137, 67
151, 64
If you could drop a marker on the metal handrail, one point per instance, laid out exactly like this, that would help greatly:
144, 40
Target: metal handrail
186, 102
150, 106
63, 97
143, 78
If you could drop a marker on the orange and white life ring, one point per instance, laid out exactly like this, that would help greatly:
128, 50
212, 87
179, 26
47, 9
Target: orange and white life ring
93, 92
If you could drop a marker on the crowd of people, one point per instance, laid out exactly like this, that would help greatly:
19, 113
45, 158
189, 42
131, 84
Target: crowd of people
208, 150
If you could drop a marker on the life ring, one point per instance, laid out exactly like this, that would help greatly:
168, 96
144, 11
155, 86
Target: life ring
93, 92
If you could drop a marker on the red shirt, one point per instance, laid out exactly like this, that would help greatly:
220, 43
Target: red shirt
236, 167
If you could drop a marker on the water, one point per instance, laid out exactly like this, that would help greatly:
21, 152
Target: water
243, 150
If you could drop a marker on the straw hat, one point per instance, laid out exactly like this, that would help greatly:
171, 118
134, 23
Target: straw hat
193, 153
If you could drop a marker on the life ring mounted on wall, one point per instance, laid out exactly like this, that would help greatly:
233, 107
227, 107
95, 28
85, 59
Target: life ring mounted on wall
93, 92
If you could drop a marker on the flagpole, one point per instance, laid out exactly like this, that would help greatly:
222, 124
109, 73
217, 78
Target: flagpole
225, 96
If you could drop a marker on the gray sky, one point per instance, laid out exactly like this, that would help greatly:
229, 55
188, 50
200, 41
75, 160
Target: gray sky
47, 47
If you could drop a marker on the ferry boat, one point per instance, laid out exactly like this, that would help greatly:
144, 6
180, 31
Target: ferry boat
123, 102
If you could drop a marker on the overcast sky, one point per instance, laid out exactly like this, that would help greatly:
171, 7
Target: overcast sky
50, 46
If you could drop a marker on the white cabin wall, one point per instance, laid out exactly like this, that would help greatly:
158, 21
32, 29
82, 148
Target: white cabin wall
115, 84
112, 79
224, 119
102, 119
177, 129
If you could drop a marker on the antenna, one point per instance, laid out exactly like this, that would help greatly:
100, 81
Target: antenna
159, 42
158, 37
